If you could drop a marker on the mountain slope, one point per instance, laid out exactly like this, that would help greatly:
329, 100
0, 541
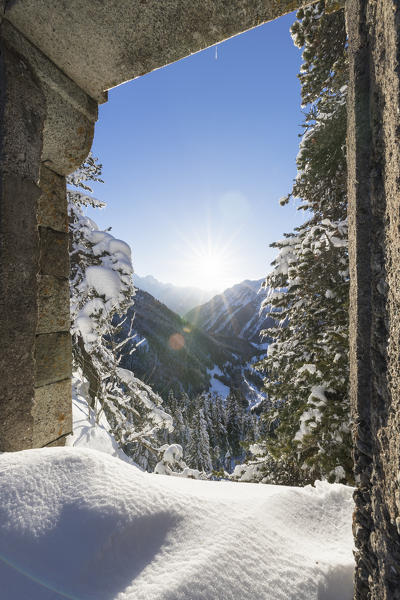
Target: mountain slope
177, 298
175, 354
234, 313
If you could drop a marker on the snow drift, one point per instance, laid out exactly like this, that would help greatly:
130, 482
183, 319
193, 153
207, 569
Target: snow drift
80, 524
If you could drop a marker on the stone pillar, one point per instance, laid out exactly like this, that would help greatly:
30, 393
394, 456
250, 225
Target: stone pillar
47, 125
374, 247
23, 109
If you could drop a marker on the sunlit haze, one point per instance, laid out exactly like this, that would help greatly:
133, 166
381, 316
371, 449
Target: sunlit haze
196, 156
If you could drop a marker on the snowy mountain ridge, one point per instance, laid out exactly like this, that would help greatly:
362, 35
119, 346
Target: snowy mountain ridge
175, 355
234, 313
180, 299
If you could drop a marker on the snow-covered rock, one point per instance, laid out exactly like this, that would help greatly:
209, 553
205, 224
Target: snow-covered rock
79, 524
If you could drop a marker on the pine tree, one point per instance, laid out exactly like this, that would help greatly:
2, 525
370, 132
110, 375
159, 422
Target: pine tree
101, 286
219, 437
198, 450
234, 423
307, 364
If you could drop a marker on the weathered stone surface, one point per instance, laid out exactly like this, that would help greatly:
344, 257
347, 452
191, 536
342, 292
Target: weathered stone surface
36, 99
57, 443
51, 412
53, 208
67, 135
374, 219
101, 45
334, 5
22, 111
53, 305
53, 358
71, 113
54, 256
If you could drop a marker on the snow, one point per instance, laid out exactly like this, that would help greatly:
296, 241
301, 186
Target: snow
217, 386
146, 395
312, 415
106, 282
79, 524
318, 392
253, 394
172, 463
308, 421
99, 289
310, 368
89, 431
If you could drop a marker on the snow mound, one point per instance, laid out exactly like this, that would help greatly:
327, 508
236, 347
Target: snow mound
80, 524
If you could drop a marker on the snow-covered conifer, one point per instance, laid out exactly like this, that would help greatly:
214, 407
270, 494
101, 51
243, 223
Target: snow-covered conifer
306, 367
198, 449
101, 286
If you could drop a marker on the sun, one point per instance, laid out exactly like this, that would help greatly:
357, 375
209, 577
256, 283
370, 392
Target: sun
210, 263
205, 261
209, 268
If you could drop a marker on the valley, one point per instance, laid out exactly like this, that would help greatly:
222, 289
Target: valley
211, 349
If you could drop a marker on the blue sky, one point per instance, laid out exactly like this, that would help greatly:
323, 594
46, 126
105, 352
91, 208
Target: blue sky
196, 156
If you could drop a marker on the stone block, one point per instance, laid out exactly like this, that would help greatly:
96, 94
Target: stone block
23, 110
52, 208
52, 414
57, 443
334, 5
53, 357
54, 253
19, 255
70, 112
16, 425
67, 134
53, 305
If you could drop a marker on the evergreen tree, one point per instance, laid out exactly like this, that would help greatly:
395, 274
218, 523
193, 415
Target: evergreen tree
307, 364
219, 439
101, 286
234, 423
198, 450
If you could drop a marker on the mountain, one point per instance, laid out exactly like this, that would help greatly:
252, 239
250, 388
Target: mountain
235, 313
178, 299
170, 353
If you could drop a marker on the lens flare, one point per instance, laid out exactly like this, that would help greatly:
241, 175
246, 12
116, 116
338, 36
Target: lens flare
176, 341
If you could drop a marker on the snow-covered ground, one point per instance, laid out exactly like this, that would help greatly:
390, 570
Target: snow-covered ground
90, 430
80, 524
216, 385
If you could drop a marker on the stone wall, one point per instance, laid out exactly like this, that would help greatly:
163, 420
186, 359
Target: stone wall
23, 110
52, 417
47, 125
374, 213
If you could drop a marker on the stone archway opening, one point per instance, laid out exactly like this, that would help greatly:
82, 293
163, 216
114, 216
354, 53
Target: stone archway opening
60, 68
